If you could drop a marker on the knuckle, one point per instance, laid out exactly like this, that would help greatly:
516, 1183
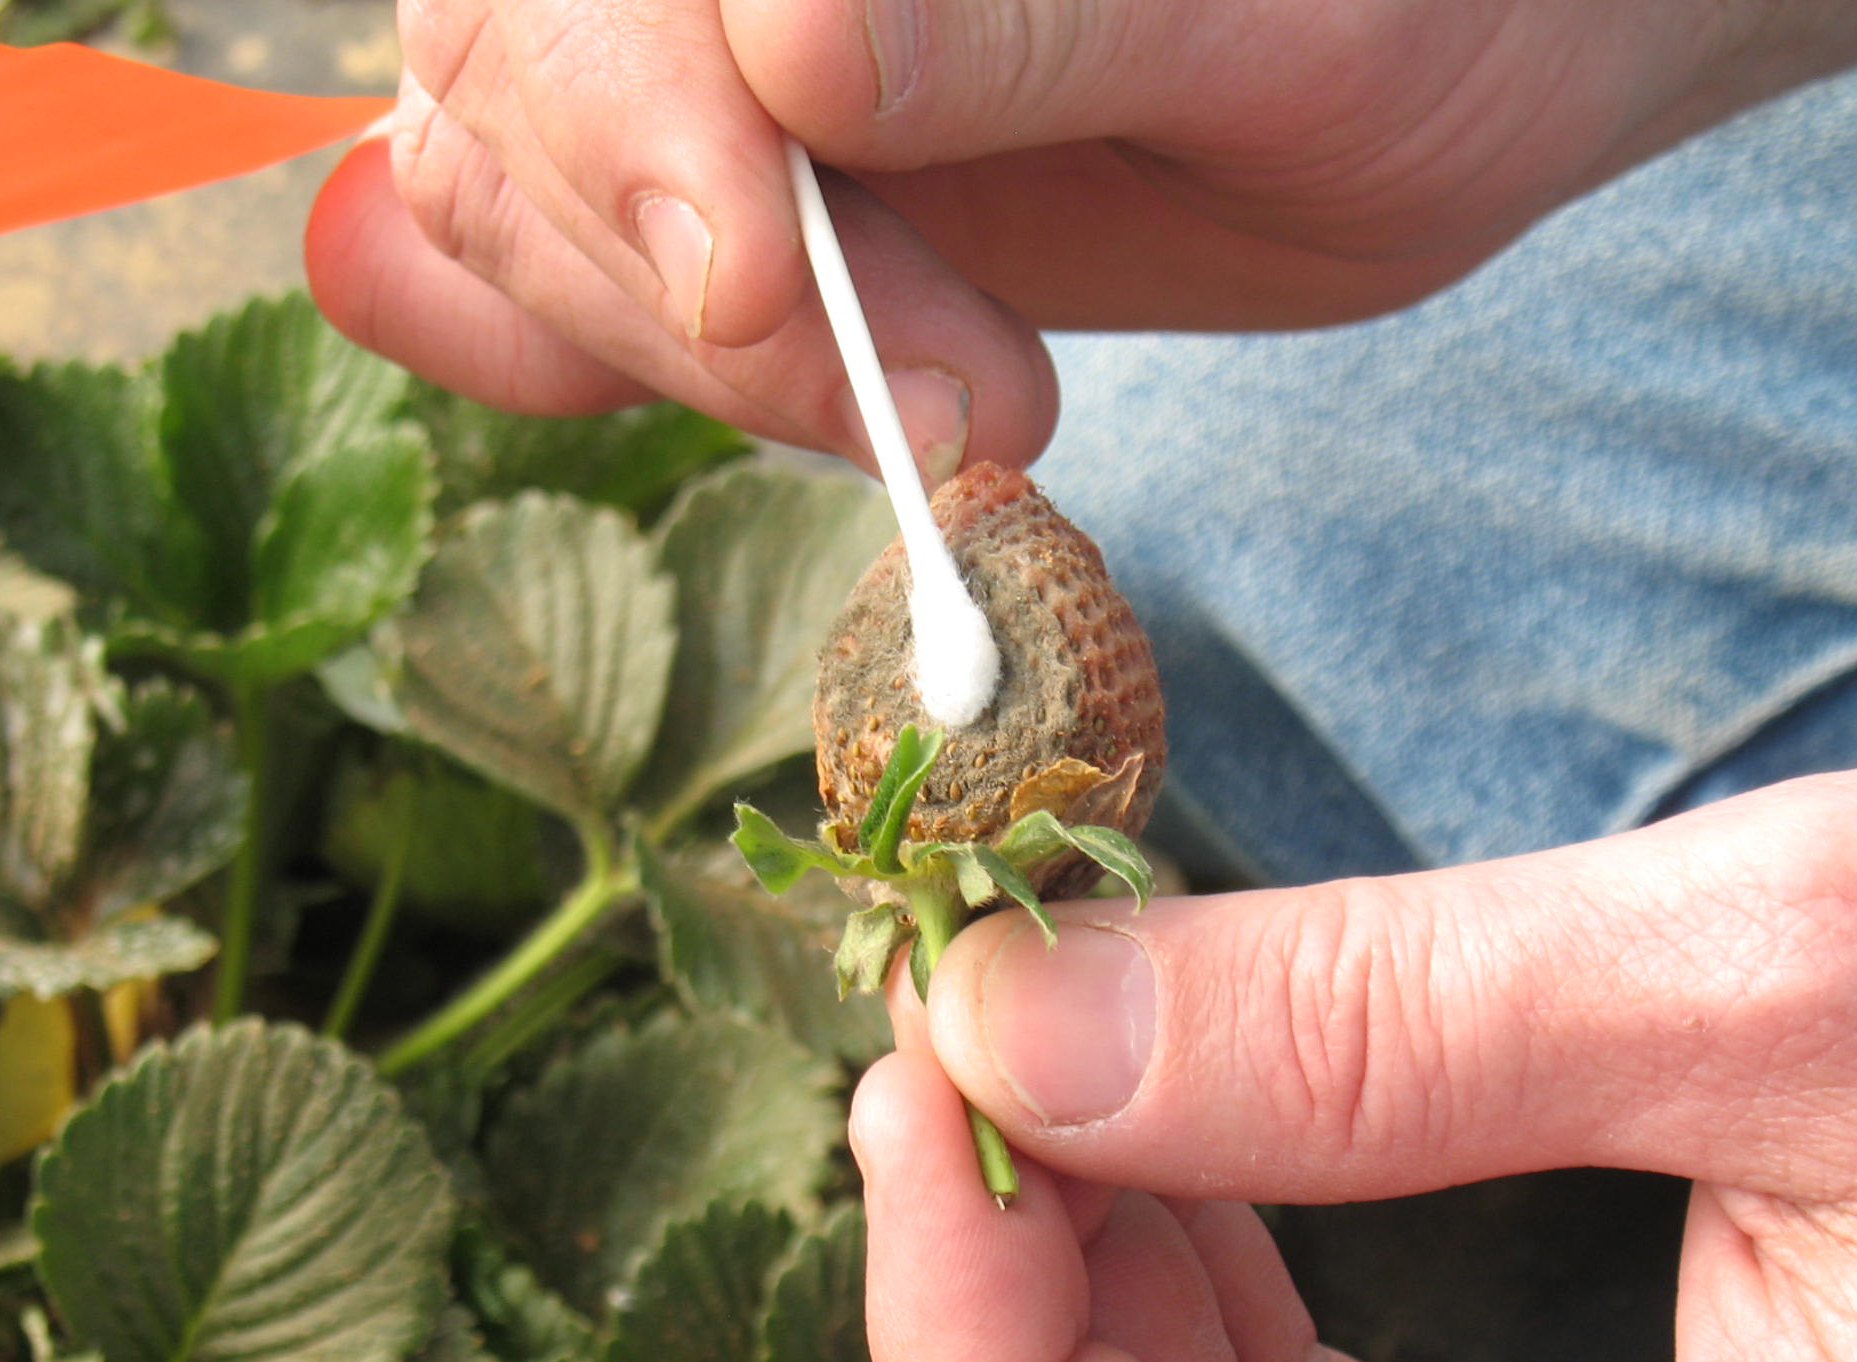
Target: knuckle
1348, 1027
455, 190
438, 40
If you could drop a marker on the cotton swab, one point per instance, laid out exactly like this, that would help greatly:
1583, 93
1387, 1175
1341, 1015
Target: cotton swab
957, 662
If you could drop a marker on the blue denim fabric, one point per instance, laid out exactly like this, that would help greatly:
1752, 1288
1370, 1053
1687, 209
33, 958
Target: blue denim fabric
1564, 548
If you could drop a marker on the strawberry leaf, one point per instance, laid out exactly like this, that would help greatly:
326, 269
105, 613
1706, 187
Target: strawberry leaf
776, 859
245, 510
632, 460
763, 561
248, 1192
640, 1128
970, 877
703, 1292
818, 1310
1039, 836
538, 650
167, 801
520, 1319
1036, 837
87, 495
1117, 853
910, 761
139, 949
1015, 886
49, 674
870, 942
455, 1339
726, 946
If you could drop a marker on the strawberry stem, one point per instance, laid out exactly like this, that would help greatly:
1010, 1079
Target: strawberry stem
937, 909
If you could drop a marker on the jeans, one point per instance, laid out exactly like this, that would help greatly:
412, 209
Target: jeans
1565, 548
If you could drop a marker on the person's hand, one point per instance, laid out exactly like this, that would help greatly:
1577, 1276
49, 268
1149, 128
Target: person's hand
1679, 999
596, 208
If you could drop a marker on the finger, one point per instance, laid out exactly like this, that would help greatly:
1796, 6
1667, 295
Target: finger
1762, 1277
381, 283
887, 81
970, 380
1263, 1313
1149, 1293
1682, 998
949, 1275
632, 129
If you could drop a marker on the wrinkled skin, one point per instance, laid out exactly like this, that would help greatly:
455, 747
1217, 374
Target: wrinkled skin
583, 205
1128, 163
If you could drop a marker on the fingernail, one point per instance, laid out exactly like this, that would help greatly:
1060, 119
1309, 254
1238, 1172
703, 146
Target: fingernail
934, 405
1072, 1028
678, 245
895, 33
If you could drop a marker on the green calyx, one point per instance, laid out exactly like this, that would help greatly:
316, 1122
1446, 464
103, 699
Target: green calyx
945, 881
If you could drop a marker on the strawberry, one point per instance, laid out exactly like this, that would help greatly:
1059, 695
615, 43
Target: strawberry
1075, 727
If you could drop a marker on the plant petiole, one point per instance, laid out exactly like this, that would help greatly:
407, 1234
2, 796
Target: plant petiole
936, 906
381, 913
602, 883
251, 726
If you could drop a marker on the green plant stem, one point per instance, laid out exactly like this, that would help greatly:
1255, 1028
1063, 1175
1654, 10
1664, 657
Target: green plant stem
253, 733
601, 884
550, 999
937, 911
382, 910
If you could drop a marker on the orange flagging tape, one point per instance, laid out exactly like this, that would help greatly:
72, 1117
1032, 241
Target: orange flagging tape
82, 131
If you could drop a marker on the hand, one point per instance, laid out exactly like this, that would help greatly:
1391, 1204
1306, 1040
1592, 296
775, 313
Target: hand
596, 209
1679, 999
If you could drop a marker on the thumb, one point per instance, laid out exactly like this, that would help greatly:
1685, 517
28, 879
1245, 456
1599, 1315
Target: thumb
1666, 999
890, 82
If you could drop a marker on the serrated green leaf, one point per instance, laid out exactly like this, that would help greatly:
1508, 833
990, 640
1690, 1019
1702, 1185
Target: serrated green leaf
763, 561
1117, 853
167, 802
248, 1192
139, 949
640, 1128
257, 508
520, 1319
777, 860
1039, 836
976, 886
868, 948
1036, 837
910, 761
1015, 886
726, 946
250, 397
455, 1339
538, 649
87, 495
818, 1310
701, 1295
313, 497
633, 459
50, 676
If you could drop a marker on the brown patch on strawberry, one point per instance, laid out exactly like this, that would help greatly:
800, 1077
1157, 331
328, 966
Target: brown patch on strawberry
1076, 724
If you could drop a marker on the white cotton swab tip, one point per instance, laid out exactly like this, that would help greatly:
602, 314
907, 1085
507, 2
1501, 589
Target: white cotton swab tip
956, 661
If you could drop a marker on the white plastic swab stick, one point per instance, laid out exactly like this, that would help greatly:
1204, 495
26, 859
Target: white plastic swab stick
957, 662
